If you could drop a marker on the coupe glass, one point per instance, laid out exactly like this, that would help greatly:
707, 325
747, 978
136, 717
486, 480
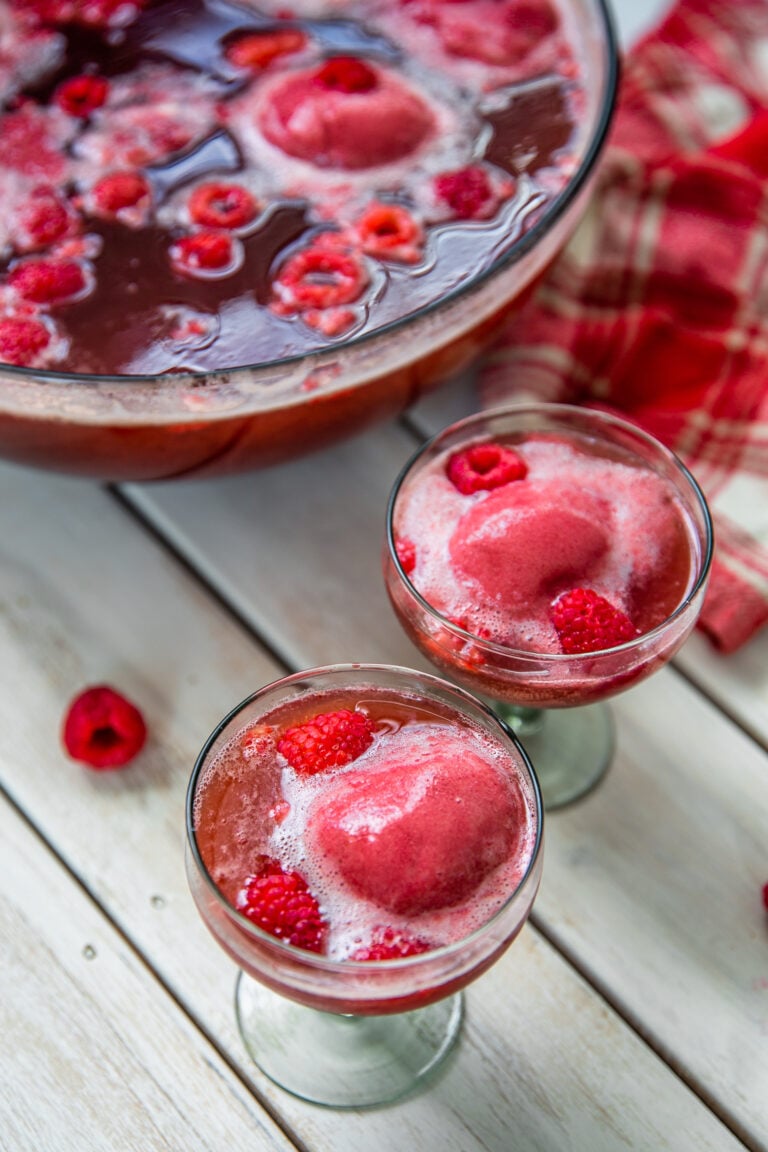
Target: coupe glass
553, 701
341, 1032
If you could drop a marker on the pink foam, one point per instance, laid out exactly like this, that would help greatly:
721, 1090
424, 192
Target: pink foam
419, 832
526, 542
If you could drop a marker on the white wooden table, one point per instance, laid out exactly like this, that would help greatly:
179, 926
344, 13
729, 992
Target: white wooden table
631, 1013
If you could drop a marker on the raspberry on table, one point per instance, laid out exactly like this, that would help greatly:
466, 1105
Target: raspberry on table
281, 904
388, 944
256, 50
48, 281
467, 192
482, 467
22, 339
328, 740
81, 95
346, 74
218, 205
587, 622
103, 729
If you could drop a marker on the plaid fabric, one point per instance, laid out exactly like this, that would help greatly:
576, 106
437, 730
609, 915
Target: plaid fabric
658, 307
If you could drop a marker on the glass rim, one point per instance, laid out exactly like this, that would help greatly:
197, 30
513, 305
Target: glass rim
360, 967
557, 208
547, 408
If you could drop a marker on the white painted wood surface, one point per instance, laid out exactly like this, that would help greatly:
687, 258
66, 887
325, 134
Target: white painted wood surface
631, 1013
88, 594
96, 1055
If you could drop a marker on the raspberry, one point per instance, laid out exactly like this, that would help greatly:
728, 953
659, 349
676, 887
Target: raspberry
482, 467
256, 741
103, 729
81, 95
205, 251
406, 554
467, 191
258, 49
346, 74
281, 903
387, 230
328, 740
321, 278
387, 944
765, 896
222, 206
22, 340
587, 622
43, 219
47, 281
119, 190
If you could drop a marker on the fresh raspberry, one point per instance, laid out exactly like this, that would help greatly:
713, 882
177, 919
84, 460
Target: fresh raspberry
387, 944
346, 74
281, 903
482, 467
467, 191
22, 340
765, 896
47, 281
43, 220
257, 50
387, 230
587, 622
406, 554
119, 190
103, 729
205, 251
328, 740
321, 278
217, 205
81, 95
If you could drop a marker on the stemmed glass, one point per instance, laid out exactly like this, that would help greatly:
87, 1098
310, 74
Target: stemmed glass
553, 700
346, 1032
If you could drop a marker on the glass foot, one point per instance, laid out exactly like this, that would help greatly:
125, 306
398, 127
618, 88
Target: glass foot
570, 748
343, 1061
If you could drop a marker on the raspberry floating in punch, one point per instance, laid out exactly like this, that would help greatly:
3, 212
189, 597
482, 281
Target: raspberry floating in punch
261, 237
548, 557
363, 841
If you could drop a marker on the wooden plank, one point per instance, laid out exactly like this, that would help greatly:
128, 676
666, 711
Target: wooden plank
96, 1054
354, 481
542, 1055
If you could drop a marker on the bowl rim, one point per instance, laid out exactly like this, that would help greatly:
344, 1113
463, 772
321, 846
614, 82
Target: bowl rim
553, 212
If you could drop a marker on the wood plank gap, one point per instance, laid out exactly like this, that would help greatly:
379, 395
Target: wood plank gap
263, 1103
616, 1006
721, 706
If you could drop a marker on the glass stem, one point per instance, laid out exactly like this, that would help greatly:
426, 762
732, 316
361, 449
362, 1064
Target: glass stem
523, 721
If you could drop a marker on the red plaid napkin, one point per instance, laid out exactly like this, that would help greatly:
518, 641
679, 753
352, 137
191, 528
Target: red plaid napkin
659, 305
